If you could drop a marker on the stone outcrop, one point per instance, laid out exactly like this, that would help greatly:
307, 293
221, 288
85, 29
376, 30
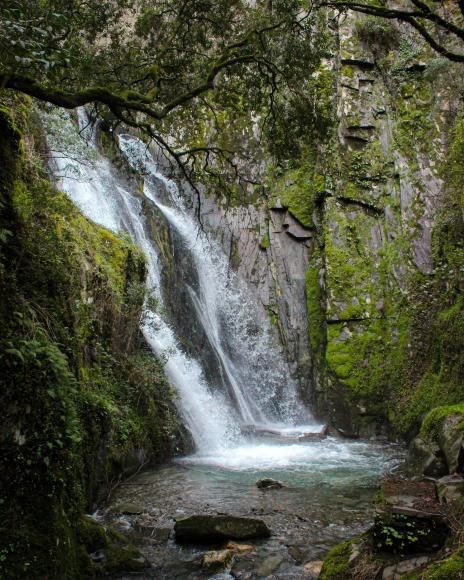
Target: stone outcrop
269, 483
451, 442
450, 488
208, 528
439, 448
426, 458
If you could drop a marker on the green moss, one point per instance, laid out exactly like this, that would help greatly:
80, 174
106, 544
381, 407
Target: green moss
352, 272
314, 307
336, 564
300, 190
265, 242
78, 390
441, 382
361, 357
435, 418
452, 567
454, 169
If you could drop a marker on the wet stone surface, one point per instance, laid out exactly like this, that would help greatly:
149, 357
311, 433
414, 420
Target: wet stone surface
322, 503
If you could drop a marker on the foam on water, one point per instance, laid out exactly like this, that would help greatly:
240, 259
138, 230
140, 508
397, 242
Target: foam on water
323, 456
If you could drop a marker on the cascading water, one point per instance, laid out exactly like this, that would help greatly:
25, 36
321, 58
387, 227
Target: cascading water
259, 390
239, 333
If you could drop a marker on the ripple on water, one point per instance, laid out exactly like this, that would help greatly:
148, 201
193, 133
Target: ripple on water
330, 485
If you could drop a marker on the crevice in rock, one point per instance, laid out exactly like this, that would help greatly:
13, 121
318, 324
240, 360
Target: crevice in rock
368, 207
362, 64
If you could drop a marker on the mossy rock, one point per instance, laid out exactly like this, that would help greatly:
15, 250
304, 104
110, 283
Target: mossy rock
445, 426
452, 567
336, 564
425, 458
126, 558
91, 535
127, 508
106, 550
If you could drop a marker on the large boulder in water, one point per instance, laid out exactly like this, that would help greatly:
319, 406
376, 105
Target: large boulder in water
269, 483
206, 528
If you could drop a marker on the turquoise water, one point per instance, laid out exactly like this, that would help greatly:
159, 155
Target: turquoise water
328, 498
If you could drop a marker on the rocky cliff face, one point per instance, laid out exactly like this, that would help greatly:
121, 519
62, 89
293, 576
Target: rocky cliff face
270, 249
356, 254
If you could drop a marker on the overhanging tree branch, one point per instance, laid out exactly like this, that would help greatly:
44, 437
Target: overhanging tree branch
417, 18
133, 100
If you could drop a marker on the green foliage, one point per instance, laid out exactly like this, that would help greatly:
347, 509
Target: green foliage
274, 92
78, 391
400, 534
380, 36
409, 51
432, 422
336, 563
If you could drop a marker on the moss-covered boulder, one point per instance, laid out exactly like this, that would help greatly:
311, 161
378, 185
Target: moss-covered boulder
426, 458
441, 436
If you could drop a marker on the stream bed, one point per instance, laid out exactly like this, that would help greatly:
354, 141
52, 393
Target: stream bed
327, 498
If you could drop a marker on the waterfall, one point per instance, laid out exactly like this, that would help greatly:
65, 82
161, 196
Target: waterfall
256, 386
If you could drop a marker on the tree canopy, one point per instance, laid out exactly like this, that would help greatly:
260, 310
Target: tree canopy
177, 68
144, 60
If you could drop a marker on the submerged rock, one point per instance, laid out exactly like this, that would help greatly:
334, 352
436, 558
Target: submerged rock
239, 548
269, 483
130, 509
125, 558
217, 559
314, 568
269, 565
205, 528
294, 435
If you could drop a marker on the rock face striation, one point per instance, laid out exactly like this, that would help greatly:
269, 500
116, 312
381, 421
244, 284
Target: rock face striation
270, 248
